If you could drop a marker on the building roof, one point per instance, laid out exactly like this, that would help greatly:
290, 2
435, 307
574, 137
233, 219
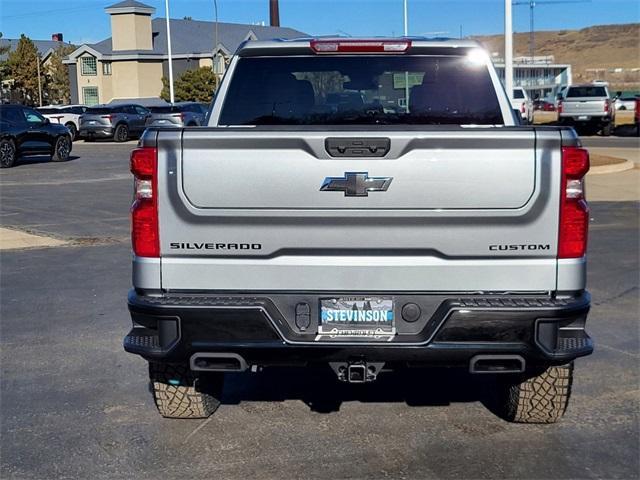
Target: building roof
196, 37
130, 6
43, 46
129, 3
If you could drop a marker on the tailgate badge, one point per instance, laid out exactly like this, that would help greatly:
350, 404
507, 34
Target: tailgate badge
356, 184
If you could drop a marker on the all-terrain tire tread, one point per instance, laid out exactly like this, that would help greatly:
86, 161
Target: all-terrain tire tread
541, 399
183, 400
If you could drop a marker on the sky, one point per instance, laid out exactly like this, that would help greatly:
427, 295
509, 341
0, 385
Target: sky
84, 21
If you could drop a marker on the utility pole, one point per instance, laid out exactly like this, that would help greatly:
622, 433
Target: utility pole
508, 49
215, 60
406, 74
532, 6
274, 13
39, 81
171, 96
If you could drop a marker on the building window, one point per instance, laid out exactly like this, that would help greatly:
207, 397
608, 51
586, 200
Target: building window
106, 68
90, 95
89, 66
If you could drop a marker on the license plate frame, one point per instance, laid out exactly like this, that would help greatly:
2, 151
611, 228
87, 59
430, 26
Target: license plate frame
373, 317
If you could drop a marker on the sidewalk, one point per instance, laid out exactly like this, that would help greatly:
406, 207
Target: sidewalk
614, 187
632, 154
12, 239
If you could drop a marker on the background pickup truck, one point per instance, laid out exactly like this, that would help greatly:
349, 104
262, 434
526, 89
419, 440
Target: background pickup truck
587, 107
368, 205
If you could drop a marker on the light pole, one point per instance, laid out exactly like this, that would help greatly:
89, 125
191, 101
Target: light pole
39, 81
172, 98
508, 49
216, 56
406, 74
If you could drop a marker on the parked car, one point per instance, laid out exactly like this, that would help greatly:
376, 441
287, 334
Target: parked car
625, 103
522, 102
636, 116
588, 108
187, 114
119, 122
24, 131
544, 105
67, 115
332, 232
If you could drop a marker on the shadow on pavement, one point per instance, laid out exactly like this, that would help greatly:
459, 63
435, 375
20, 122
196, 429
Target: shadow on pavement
319, 388
626, 131
34, 159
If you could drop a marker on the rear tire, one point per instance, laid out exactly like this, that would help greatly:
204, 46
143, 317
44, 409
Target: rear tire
62, 149
7, 153
606, 130
121, 133
180, 393
540, 399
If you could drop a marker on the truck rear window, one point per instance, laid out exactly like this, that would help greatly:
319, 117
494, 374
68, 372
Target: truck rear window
360, 90
587, 92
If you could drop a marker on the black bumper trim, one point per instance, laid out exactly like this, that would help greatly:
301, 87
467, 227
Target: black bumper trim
466, 325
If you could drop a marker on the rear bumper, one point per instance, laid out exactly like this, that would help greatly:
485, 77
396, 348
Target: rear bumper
584, 119
266, 330
97, 132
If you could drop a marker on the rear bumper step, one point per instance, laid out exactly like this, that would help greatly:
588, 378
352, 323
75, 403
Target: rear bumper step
265, 330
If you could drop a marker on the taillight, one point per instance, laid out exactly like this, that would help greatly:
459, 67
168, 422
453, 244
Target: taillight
108, 117
179, 115
574, 211
360, 46
145, 238
607, 106
559, 109
523, 108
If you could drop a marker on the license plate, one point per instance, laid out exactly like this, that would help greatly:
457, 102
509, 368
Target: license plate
583, 117
92, 122
370, 317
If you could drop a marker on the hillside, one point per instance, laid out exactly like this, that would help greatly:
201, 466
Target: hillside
606, 47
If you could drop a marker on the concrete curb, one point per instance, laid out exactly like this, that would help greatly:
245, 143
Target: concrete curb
622, 166
12, 239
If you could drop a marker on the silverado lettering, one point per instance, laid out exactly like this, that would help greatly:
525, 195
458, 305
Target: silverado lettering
214, 246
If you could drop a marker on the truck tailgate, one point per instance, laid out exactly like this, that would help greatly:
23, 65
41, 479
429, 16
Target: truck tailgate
583, 106
466, 209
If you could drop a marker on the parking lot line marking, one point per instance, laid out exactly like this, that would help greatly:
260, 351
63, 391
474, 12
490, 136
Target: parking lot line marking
66, 182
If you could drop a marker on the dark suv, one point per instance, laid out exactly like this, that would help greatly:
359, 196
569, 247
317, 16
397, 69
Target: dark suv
119, 122
25, 131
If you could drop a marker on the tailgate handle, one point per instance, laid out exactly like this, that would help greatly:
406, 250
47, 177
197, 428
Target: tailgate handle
357, 147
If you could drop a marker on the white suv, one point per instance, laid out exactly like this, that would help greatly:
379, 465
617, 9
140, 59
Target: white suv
67, 115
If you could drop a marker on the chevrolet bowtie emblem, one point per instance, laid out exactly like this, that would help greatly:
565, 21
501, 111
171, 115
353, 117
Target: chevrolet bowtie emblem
356, 184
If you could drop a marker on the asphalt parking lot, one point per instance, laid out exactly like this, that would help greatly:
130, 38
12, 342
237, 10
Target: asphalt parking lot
75, 405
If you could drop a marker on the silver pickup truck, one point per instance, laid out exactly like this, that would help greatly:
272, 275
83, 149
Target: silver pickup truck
366, 205
587, 107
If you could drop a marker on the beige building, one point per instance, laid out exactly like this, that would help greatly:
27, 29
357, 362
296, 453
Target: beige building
131, 64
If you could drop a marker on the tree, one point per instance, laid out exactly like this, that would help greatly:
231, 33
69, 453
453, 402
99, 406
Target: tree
192, 86
58, 88
23, 66
4, 65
